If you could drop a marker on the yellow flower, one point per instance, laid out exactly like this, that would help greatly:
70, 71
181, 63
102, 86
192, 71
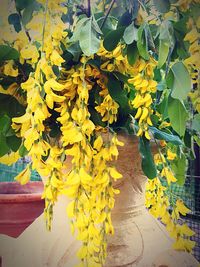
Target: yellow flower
9, 70
171, 155
56, 59
114, 173
9, 159
185, 230
24, 176
192, 36
180, 207
30, 52
168, 174
159, 158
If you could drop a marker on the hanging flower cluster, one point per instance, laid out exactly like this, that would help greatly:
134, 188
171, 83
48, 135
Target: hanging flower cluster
166, 206
144, 85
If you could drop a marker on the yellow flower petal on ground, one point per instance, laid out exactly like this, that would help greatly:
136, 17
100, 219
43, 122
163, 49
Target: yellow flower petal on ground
24, 176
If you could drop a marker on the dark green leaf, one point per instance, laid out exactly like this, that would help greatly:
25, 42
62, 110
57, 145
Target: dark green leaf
160, 135
132, 53
28, 12
182, 81
13, 142
117, 93
177, 115
124, 20
162, 6
75, 50
4, 149
7, 53
5, 122
148, 165
112, 38
14, 19
96, 117
21, 4
10, 106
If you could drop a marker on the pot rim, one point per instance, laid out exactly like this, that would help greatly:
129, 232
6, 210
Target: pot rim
23, 196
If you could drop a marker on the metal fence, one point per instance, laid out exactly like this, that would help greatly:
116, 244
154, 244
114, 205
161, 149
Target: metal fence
190, 193
8, 173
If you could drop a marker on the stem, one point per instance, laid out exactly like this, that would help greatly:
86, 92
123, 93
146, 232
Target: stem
89, 8
26, 31
44, 25
107, 13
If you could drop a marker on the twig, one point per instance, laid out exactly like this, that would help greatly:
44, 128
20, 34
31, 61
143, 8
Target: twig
89, 8
107, 13
26, 31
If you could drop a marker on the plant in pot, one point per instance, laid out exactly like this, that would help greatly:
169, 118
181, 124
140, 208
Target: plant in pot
89, 82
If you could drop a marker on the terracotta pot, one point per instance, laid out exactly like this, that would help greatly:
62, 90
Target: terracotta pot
19, 206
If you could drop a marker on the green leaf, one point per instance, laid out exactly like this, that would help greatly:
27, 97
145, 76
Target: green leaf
179, 167
75, 50
162, 6
130, 34
7, 53
117, 93
160, 135
76, 33
96, 117
163, 53
28, 12
14, 19
10, 106
5, 123
112, 38
23, 151
124, 20
196, 122
148, 165
142, 43
182, 81
177, 115
89, 42
132, 53
13, 142
4, 149
21, 4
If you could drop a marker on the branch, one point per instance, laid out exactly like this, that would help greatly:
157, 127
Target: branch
89, 8
26, 31
107, 13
